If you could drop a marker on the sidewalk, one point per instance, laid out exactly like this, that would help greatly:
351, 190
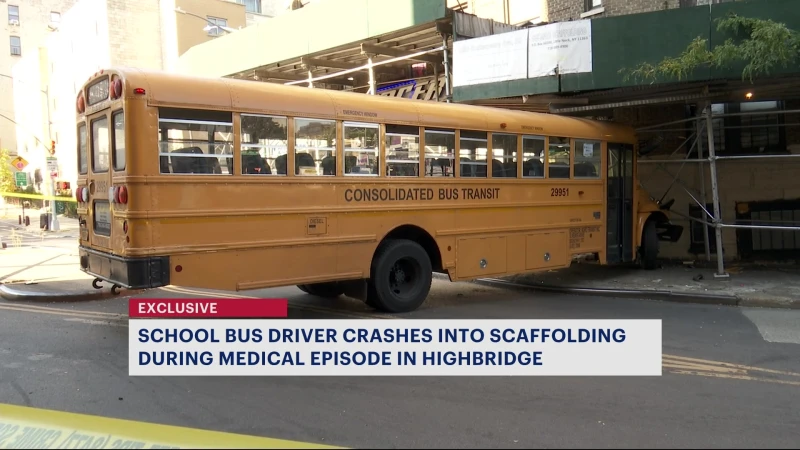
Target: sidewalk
41, 265
14, 234
46, 275
752, 285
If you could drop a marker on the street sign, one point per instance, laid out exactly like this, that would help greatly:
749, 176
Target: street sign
19, 163
21, 178
52, 164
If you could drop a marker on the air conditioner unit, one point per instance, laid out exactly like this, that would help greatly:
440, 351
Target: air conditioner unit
13, 22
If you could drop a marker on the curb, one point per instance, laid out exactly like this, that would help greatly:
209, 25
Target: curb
25, 295
648, 294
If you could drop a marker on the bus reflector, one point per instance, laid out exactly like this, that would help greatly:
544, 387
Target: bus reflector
138, 91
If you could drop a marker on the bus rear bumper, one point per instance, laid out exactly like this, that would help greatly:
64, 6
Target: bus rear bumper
129, 273
669, 232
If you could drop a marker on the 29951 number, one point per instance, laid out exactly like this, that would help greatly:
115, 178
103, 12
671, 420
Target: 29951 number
559, 192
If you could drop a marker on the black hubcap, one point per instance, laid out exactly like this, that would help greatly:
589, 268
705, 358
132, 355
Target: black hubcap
403, 277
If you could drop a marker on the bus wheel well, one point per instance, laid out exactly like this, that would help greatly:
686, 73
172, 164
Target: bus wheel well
421, 237
659, 217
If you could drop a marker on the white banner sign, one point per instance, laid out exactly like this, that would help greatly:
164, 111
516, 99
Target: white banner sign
500, 57
564, 45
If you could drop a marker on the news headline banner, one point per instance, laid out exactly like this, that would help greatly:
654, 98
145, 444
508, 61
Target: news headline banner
251, 347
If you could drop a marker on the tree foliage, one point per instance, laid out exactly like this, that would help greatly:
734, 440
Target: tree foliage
7, 183
762, 46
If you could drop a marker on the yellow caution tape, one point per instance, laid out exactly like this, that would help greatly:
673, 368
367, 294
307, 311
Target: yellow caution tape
39, 197
24, 427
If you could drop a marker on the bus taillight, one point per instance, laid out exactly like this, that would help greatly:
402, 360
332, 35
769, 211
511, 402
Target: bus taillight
82, 194
122, 195
118, 194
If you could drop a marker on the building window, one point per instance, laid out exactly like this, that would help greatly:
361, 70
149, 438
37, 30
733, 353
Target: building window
251, 6
697, 237
215, 25
760, 131
592, 4
13, 15
55, 16
692, 3
16, 46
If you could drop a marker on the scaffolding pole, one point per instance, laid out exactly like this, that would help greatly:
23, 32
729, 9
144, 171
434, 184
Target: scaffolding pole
371, 68
715, 193
701, 170
448, 93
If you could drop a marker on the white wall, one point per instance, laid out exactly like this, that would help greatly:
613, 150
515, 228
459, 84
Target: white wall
78, 50
30, 107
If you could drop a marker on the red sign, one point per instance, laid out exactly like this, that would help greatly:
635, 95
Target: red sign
208, 308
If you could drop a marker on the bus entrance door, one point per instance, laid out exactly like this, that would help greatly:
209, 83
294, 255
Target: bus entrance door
619, 215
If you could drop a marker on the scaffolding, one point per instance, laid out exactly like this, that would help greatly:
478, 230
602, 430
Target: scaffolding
704, 122
370, 67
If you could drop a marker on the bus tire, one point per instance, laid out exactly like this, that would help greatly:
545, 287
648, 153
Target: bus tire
325, 290
400, 277
649, 249
303, 287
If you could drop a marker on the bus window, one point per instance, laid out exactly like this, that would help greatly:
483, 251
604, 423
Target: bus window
558, 157
264, 140
402, 151
440, 151
504, 155
196, 147
83, 160
533, 156
473, 153
100, 145
587, 159
361, 148
119, 140
314, 148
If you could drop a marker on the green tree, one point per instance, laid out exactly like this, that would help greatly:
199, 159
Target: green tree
7, 183
763, 45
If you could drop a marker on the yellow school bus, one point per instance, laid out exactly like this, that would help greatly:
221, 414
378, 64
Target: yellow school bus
236, 185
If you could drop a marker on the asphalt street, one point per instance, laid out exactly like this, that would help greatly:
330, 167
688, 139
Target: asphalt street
731, 379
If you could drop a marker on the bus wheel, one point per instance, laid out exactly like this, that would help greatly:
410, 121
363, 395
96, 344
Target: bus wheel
327, 290
303, 287
400, 278
649, 249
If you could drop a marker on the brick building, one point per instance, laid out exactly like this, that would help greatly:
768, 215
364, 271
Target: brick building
564, 10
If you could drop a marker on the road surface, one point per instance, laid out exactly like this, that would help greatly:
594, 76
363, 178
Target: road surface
731, 379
